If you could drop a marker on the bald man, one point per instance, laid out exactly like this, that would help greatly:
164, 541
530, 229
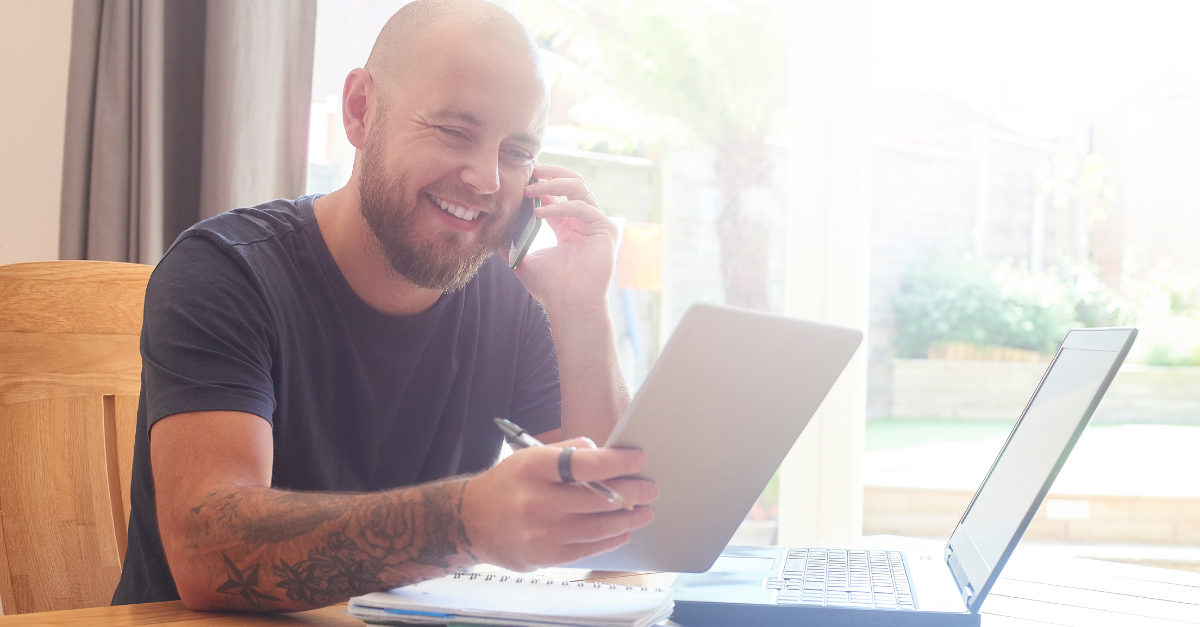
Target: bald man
320, 375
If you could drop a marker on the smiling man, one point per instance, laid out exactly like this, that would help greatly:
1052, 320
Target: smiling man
320, 375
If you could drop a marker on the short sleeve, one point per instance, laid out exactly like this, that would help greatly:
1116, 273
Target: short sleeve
206, 336
537, 400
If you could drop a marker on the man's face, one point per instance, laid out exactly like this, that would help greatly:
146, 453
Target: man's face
448, 154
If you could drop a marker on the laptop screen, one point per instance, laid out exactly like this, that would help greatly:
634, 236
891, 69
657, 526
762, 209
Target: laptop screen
1036, 450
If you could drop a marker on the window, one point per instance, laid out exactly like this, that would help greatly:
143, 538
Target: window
1025, 168
1028, 177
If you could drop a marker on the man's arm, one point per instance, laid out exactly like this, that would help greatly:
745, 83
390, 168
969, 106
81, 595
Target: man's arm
571, 281
232, 542
594, 394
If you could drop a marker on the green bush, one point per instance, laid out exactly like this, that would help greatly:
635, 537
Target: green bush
946, 301
960, 300
1164, 354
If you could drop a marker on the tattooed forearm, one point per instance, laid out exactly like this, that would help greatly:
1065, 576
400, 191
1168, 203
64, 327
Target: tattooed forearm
291, 550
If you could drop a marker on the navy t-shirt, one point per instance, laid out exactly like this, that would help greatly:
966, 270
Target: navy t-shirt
249, 312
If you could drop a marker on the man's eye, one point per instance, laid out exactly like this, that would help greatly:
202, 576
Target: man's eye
451, 132
517, 157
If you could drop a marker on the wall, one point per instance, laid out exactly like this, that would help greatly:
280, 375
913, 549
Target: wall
998, 390
1087, 519
1149, 144
35, 51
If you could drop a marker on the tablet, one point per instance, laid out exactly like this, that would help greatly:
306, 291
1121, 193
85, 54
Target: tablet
722, 406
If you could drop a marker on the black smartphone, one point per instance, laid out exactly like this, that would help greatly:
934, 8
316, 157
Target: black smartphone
525, 228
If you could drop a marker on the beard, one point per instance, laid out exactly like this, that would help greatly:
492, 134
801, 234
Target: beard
444, 262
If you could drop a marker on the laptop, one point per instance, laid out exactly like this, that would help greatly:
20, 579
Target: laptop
849, 586
722, 406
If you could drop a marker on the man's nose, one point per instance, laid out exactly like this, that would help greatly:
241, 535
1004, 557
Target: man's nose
482, 172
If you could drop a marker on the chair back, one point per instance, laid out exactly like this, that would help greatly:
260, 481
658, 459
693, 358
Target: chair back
70, 373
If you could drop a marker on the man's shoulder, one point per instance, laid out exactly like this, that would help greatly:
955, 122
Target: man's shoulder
244, 226
258, 246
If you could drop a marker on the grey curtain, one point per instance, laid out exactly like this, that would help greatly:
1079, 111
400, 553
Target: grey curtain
178, 110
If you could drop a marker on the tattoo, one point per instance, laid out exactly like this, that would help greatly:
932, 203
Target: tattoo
420, 527
244, 583
462, 527
292, 515
330, 573
296, 518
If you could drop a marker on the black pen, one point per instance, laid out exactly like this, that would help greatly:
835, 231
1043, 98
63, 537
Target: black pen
521, 439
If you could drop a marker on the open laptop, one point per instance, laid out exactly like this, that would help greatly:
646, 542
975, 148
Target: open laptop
846, 586
722, 406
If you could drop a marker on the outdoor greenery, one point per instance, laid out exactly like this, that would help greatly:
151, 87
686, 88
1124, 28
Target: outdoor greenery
963, 300
959, 299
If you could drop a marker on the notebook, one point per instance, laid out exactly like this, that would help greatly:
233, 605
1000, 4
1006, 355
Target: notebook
507, 598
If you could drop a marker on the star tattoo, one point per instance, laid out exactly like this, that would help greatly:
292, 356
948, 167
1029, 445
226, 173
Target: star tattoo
244, 583
299, 580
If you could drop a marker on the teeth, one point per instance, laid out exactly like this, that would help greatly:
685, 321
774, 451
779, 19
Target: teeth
455, 210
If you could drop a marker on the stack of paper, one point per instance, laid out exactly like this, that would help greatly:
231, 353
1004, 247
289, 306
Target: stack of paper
514, 599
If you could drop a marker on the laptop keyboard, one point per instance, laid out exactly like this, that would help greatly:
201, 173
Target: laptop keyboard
843, 578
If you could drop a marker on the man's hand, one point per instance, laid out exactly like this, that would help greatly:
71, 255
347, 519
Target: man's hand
576, 273
520, 515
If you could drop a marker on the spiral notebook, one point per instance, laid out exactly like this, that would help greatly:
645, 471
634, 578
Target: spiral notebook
507, 598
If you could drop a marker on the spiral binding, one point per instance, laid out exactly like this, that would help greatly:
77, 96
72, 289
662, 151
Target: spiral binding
549, 582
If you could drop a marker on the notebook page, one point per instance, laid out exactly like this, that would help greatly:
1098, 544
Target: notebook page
526, 598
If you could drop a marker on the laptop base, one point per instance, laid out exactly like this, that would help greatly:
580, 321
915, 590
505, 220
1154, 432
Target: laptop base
742, 589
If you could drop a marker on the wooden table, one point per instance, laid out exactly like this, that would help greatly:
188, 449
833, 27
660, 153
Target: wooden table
1035, 590
174, 613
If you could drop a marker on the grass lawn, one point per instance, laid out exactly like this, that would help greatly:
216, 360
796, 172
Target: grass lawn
903, 432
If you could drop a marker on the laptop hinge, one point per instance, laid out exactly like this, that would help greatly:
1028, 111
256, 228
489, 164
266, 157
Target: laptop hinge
960, 577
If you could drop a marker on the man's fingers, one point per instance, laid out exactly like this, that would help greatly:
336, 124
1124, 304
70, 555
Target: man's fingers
604, 463
545, 171
587, 464
577, 209
571, 188
586, 528
579, 499
580, 442
572, 552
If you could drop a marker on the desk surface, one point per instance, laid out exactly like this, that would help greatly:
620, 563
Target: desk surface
1036, 589
174, 613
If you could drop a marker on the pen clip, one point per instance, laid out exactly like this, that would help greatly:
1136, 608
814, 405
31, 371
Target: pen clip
511, 430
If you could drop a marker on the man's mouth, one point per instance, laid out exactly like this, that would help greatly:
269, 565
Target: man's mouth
455, 210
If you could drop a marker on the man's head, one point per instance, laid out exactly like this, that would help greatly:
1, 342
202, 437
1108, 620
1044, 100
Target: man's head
448, 117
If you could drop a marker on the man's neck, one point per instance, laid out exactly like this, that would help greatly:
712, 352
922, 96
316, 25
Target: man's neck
357, 255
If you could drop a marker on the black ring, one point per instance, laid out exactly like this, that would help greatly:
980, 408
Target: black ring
564, 464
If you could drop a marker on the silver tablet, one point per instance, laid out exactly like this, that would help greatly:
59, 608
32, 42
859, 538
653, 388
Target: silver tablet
721, 408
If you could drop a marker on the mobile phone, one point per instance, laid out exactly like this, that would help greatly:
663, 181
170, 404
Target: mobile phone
525, 228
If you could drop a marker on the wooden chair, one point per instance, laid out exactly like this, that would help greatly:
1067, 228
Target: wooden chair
70, 373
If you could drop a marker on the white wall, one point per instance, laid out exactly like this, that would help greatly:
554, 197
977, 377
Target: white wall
828, 271
35, 52
999, 390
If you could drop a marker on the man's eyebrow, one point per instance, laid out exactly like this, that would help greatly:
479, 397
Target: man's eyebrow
526, 138
466, 117
456, 114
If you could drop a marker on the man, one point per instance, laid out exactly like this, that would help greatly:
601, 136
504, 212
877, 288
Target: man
303, 360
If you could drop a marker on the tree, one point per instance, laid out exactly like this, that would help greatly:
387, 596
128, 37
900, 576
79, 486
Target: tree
653, 72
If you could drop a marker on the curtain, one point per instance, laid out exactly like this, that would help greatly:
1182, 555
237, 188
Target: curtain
178, 110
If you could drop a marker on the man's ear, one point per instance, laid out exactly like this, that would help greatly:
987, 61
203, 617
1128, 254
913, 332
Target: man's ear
357, 94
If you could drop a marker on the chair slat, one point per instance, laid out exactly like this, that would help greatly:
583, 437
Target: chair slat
73, 297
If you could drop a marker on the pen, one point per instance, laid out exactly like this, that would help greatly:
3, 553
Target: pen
521, 439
